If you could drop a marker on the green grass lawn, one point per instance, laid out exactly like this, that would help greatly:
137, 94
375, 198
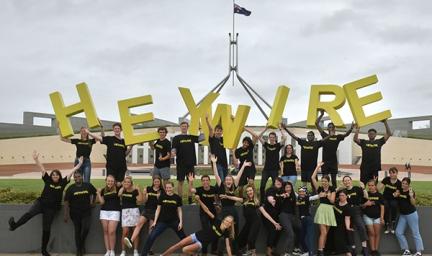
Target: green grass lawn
27, 190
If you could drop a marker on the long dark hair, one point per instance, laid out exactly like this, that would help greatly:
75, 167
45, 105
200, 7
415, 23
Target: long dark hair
56, 171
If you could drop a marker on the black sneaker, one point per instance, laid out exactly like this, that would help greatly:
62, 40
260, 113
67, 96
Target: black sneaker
365, 251
45, 253
12, 224
150, 252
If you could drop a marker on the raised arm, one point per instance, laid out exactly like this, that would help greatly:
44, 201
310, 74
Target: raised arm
347, 133
255, 137
260, 136
210, 127
102, 132
94, 136
317, 122
356, 134
314, 175
388, 132
289, 132
239, 174
38, 163
76, 167
191, 179
213, 159
128, 150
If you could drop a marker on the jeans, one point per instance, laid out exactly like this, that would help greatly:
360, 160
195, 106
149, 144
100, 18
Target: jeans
292, 179
222, 171
307, 234
412, 221
358, 223
82, 228
85, 169
272, 233
391, 212
249, 233
291, 227
158, 230
266, 174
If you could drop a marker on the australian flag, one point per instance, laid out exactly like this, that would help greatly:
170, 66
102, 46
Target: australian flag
240, 10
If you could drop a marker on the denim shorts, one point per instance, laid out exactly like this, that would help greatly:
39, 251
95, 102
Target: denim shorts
370, 221
195, 240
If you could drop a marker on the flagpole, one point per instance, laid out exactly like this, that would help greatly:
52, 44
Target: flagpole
233, 39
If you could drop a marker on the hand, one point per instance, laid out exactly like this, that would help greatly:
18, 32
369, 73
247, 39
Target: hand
382, 221
197, 197
35, 155
191, 177
245, 163
320, 164
322, 194
352, 125
153, 225
384, 121
207, 116
278, 226
100, 122
213, 158
282, 126
80, 160
362, 185
223, 196
98, 191
396, 193
411, 192
321, 112
356, 126
180, 226
160, 158
211, 216
368, 203
86, 130
66, 218
271, 200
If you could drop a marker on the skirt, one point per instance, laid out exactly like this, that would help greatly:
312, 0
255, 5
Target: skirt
109, 215
325, 215
130, 217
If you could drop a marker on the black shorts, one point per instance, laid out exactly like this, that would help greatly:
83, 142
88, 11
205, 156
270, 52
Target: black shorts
149, 214
118, 173
183, 171
367, 175
306, 175
327, 169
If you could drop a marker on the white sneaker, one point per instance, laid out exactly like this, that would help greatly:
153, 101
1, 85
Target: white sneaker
123, 253
406, 253
418, 254
108, 253
305, 254
136, 253
127, 242
112, 253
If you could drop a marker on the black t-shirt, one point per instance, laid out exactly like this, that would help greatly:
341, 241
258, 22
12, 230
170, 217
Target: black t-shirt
341, 212
325, 200
162, 148
79, 198
330, 146
217, 148
270, 209
152, 198
390, 188
111, 200
246, 154
289, 166
84, 147
52, 193
371, 154
129, 199
405, 206
212, 233
355, 195
222, 191
303, 205
288, 204
116, 153
169, 205
207, 197
309, 154
185, 149
272, 156
250, 210
374, 211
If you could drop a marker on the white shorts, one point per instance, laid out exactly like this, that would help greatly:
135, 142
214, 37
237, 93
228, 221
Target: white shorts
130, 217
109, 215
370, 221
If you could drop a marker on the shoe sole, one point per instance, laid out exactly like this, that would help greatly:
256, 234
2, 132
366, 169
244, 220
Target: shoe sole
127, 242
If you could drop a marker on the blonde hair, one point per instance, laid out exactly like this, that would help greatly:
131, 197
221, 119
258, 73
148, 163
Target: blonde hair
106, 188
255, 197
231, 229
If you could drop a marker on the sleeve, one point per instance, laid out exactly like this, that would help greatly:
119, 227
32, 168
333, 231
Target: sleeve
385, 181
340, 137
74, 141
161, 197
323, 134
319, 143
300, 141
106, 140
381, 199
92, 189
46, 177
281, 158
296, 157
93, 141
362, 143
194, 138
65, 181
67, 196
179, 201
135, 193
236, 153
174, 143
168, 144
382, 141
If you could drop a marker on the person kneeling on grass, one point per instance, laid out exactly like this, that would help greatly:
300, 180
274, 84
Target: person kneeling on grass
193, 243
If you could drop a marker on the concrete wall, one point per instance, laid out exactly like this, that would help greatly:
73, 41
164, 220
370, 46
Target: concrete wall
27, 238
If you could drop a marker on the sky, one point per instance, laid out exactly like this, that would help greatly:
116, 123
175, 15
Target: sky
125, 49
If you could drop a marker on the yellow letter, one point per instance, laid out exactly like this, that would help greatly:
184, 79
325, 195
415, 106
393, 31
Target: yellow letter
129, 120
278, 107
63, 112
197, 112
232, 128
330, 107
356, 103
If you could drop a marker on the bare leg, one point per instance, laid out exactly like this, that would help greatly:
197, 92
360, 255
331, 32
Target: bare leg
141, 222
136, 241
106, 234
180, 188
323, 236
184, 242
377, 229
112, 227
371, 233
125, 232
191, 249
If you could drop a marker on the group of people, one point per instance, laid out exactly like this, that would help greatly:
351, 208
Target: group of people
281, 209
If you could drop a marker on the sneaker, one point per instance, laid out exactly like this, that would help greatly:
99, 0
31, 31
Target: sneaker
108, 253
365, 251
406, 253
11, 224
418, 254
112, 253
123, 253
305, 254
386, 231
127, 242
150, 252
45, 253
136, 253
297, 251
392, 231
247, 253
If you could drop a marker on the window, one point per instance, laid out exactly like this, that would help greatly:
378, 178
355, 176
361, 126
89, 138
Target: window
41, 121
421, 124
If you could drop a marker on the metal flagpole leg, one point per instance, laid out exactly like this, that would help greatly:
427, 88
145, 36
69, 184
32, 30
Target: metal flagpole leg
252, 97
